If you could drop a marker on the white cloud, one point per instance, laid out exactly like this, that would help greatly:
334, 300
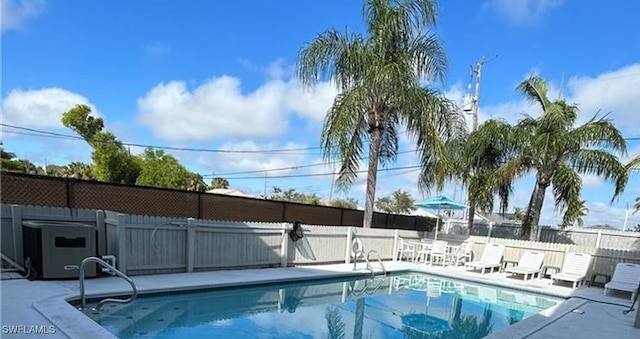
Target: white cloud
257, 160
602, 213
16, 12
40, 108
511, 111
218, 108
523, 11
279, 69
615, 92
591, 180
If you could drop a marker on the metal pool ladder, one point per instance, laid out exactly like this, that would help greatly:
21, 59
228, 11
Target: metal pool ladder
367, 259
106, 265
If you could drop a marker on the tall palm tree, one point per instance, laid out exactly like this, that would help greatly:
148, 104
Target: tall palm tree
558, 152
637, 205
379, 78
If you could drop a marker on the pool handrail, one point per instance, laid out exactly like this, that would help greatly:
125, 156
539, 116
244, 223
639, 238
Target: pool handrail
358, 251
83, 300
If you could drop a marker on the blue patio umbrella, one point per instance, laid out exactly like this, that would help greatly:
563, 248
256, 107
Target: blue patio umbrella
440, 202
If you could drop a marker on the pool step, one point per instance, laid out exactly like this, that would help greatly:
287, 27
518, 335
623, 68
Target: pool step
125, 317
158, 320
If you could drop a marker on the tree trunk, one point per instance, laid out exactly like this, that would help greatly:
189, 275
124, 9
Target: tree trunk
372, 175
472, 214
532, 217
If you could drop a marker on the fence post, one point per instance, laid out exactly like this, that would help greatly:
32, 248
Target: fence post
284, 246
191, 244
121, 226
598, 238
539, 233
489, 231
102, 233
396, 237
16, 221
347, 255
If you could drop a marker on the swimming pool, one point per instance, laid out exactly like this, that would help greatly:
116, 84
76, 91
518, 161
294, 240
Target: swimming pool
406, 305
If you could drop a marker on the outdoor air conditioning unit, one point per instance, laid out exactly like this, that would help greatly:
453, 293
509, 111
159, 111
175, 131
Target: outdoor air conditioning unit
49, 246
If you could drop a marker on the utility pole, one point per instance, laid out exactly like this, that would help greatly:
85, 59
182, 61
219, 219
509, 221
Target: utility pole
626, 218
470, 106
265, 185
476, 97
333, 179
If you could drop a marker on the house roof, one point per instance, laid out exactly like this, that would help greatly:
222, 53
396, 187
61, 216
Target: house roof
500, 218
233, 192
603, 227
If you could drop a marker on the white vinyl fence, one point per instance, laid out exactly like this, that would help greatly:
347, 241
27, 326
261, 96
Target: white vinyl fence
154, 245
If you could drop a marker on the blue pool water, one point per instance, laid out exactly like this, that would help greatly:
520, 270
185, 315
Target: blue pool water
409, 305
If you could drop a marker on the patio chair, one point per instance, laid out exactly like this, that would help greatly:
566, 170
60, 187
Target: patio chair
438, 251
405, 249
530, 264
491, 258
626, 278
464, 253
574, 268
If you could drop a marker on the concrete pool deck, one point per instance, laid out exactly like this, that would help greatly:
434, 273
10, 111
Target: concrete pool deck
42, 303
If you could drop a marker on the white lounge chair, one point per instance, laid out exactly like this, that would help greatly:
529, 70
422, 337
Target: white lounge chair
626, 278
574, 268
491, 258
530, 264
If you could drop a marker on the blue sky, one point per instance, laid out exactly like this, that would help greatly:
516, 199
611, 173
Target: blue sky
218, 75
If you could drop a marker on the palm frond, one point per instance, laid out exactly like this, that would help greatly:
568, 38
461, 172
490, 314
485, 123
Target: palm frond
535, 90
343, 133
333, 55
633, 164
600, 163
429, 57
601, 133
567, 185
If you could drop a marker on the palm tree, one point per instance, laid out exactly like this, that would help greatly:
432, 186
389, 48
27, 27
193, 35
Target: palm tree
485, 151
78, 170
582, 211
558, 152
378, 76
637, 205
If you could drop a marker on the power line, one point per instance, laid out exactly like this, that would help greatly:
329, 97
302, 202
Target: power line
40, 133
292, 167
188, 149
323, 174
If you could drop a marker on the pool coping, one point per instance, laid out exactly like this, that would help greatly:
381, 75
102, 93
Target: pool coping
58, 310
